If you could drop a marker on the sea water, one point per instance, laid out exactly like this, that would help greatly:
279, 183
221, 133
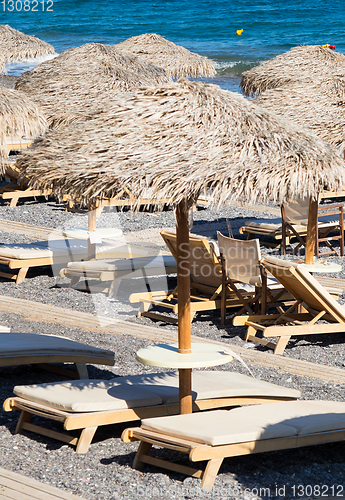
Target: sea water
270, 27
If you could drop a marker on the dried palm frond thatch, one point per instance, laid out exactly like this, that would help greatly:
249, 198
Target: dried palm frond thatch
89, 70
85, 76
296, 65
18, 116
15, 46
318, 105
178, 140
176, 60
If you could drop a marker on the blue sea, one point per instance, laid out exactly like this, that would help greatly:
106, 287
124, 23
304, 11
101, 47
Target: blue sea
270, 27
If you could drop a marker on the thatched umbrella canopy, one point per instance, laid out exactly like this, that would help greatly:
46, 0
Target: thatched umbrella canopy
176, 60
296, 65
178, 140
317, 104
84, 77
15, 46
18, 116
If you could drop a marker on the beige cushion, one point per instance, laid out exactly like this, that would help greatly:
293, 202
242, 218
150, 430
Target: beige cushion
152, 264
162, 386
31, 344
68, 248
252, 423
88, 396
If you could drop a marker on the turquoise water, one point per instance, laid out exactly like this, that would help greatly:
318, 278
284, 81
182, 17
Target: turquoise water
203, 26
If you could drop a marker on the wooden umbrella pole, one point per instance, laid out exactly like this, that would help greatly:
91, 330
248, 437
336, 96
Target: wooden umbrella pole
91, 226
183, 287
311, 231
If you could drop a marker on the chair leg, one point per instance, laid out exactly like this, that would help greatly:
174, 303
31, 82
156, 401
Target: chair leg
21, 275
281, 344
210, 473
144, 449
85, 439
25, 417
81, 369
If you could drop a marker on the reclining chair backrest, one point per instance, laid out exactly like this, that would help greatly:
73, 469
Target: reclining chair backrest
302, 285
296, 212
205, 268
242, 259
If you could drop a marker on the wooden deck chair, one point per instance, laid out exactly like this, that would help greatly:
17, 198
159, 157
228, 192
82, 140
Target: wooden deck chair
240, 267
31, 348
58, 252
309, 293
330, 226
86, 404
214, 435
206, 282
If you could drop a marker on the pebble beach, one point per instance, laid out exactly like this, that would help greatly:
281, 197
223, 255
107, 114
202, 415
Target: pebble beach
105, 471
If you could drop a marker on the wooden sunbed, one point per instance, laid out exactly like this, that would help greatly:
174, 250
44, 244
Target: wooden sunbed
85, 405
13, 191
112, 270
30, 348
309, 293
214, 435
293, 225
58, 252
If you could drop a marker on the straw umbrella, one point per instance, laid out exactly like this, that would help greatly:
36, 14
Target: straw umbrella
85, 77
18, 116
78, 84
296, 65
15, 46
176, 60
317, 104
178, 140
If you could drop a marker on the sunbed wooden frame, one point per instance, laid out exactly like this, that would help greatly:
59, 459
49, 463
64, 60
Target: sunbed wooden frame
88, 422
309, 293
214, 455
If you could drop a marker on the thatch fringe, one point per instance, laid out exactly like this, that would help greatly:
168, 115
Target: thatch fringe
83, 77
15, 46
298, 64
175, 59
179, 140
318, 105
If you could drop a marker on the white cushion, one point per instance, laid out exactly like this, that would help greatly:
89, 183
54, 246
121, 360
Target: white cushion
252, 423
27, 344
88, 395
68, 248
162, 386
154, 263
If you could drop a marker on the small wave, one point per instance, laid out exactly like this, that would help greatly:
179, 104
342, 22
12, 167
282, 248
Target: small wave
234, 68
19, 67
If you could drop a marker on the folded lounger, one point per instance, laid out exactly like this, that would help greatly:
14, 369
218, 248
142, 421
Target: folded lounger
214, 435
86, 405
59, 251
31, 348
111, 270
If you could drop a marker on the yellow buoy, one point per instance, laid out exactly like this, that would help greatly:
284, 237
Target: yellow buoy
239, 32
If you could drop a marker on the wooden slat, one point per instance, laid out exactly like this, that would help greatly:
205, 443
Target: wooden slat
17, 487
35, 311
